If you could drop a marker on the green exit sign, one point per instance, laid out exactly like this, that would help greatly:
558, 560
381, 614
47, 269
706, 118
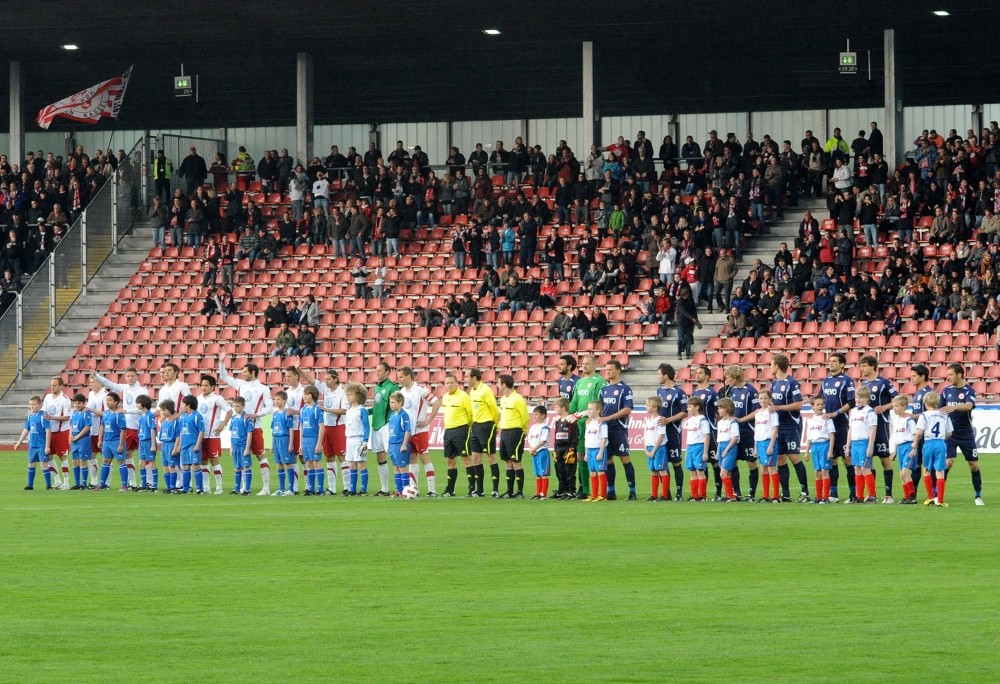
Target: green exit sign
848, 63
182, 86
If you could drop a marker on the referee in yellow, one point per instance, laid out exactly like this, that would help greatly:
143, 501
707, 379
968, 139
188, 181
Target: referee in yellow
483, 439
513, 423
457, 407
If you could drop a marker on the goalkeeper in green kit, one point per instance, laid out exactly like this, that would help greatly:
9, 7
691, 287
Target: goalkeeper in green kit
587, 389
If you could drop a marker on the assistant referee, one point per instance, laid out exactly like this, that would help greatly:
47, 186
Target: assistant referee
457, 406
483, 440
513, 424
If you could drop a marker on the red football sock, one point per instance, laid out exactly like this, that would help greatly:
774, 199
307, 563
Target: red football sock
655, 482
703, 487
859, 484
819, 488
602, 483
826, 488
545, 487
727, 482
594, 487
776, 485
929, 484
767, 486
666, 486
870, 481
940, 489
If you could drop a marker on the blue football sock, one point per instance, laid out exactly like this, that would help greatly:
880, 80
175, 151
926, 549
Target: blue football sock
84, 475
48, 478
156, 478
281, 480
31, 476
76, 475
247, 478
320, 480
168, 480
198, 480
237, 478
123, 474
105, 473
399, 484
187, 481
364, 479
311, 480
142, 476
293, 475
354, 482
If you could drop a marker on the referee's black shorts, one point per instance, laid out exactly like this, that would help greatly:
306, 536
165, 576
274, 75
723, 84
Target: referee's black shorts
483, 439
511, 444
456, 442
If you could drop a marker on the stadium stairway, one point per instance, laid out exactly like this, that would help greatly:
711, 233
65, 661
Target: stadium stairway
72, 330
641, 373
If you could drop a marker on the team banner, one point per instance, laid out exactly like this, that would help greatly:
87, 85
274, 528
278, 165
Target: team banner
97, 102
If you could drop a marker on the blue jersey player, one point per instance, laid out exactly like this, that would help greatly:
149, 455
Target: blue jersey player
79, 438
958, 400
673, 411
112, 441
147, 444
883, 392
786, 395
746, 401
616, 398
710, 408
36, 431
281, 429
188, 446
169, 427
400, 432
838, 400
241, 431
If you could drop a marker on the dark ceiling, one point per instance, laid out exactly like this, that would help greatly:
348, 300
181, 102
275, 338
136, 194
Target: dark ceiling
430, 61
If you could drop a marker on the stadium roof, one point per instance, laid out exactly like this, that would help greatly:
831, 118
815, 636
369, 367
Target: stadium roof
431, 61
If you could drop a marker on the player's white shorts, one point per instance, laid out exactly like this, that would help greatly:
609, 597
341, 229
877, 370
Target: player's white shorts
378, 440
356, 449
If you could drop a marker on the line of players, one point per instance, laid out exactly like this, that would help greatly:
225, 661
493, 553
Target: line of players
764, 429
134, 415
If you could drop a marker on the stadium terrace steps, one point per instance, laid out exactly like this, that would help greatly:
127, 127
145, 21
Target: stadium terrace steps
50, 359
641, 372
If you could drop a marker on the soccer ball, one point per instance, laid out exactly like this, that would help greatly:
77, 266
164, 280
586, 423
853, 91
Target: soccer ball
410, 491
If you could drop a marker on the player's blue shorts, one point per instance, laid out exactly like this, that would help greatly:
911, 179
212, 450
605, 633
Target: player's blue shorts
658, 461
281, 453
37, 455
935, 455
762, 457
189, 456
618, 443
81, 449
747, 450
399, 458
788, 440
110, 451
309, 452
907, 456
541, 463
859, 454
167, 456
968, 447
596, 466
693, 456
241, 459
146, 450
728, 462
820, 453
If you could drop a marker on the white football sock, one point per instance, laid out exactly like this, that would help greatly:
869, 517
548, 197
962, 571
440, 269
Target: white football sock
383, 476
345, 475
265, 474
130, 466
429, 474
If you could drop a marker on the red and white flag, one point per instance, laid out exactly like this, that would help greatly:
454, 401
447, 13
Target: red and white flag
89, 106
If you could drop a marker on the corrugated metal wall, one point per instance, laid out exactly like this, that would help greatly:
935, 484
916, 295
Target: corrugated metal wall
991, 112
940, 118
627, 126
432, 138
343, 136
790, 126
548, 133
699, 125
465, 134
257, 139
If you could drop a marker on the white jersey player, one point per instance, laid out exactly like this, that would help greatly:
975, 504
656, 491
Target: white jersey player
129, 391
418, 403
258, 404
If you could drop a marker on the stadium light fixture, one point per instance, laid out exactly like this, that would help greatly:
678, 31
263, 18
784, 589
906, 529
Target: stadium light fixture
492, 31
70, 46
942, 13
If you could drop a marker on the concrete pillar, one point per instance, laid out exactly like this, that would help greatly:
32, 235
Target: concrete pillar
892, 127
16, 148
303, 107
591, 123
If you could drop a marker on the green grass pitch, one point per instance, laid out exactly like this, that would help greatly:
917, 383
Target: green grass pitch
112, 587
